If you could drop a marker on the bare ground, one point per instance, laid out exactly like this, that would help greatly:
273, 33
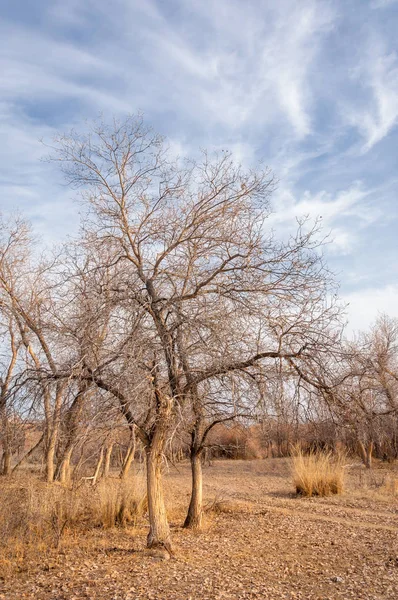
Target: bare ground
259, 541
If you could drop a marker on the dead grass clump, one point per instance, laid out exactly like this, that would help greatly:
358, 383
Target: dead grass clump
318, 473
119, 502
227, 506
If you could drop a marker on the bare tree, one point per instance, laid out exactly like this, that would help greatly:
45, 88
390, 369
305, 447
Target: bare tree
191, 243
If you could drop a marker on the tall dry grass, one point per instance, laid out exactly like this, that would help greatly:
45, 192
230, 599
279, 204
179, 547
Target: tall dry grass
318, 473
118, 503
35, 516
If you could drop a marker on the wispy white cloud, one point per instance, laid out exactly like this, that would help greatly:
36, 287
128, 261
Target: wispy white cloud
255, 64
335, 211
309, 86
378, 73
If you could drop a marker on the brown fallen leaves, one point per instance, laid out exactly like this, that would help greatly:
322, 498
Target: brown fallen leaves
267, 544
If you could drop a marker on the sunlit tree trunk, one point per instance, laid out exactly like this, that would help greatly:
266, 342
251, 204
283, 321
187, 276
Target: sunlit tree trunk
64, 468
107, 460
70, 428
98, 467
195, 511
159, 530
129, 457
53, 426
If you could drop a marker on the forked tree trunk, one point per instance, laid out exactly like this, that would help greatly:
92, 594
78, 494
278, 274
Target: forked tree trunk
195, 511
71, 424
159, 530
64, 468
366, 453
53, 423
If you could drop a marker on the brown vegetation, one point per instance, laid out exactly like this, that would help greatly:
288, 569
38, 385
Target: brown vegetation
318, 473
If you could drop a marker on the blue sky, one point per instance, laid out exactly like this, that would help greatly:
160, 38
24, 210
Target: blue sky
309, 87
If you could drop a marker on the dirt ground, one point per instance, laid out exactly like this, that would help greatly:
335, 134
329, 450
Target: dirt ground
259, 541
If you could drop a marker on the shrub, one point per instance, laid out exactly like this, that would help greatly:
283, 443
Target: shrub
119, 502
317, 473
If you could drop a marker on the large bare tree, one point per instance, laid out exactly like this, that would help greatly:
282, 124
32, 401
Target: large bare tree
216, 292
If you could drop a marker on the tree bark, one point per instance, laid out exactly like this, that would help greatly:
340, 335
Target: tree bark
53, 423
6, 463
71, 425
159, 530
128, 459
64, 468
107, 461
50, 469
195, 511
99, 465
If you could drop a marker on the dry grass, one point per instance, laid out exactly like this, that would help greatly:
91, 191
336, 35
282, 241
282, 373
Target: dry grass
35, 516
221, 505
318, 473
389, 487
120, 502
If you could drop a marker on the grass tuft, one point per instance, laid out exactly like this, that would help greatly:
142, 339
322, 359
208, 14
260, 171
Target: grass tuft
120, 503
318, 473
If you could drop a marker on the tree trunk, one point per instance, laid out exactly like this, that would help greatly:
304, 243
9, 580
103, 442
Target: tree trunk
64, 468
50, 454
6, 458
107, 461
71, 426
98, 467
159, 531
128, 459
195, 511
127, 462
6, 463
52, 434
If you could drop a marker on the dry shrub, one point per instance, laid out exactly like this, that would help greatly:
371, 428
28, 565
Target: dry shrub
38, 511
119, 502
318, 473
